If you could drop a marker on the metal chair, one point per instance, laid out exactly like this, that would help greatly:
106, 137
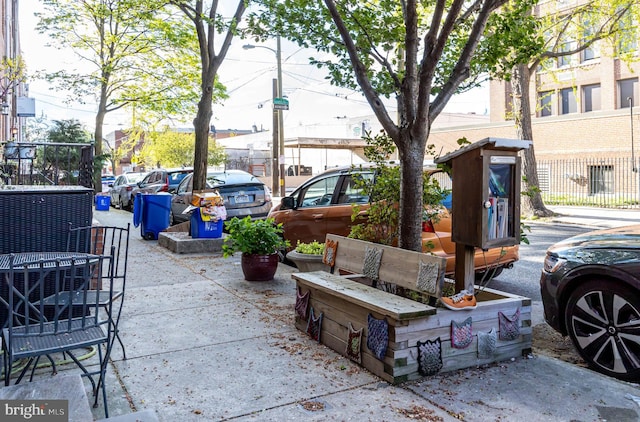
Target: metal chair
37, 328
95, 240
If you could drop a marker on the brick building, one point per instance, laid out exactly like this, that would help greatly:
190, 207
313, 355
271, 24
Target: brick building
585, 121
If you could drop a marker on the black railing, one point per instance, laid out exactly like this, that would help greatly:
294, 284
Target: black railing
48, 163
606, 182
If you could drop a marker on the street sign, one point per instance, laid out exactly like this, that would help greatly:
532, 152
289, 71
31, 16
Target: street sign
280, 104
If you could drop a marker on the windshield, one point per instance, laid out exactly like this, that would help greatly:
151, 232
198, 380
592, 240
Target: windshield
229, 178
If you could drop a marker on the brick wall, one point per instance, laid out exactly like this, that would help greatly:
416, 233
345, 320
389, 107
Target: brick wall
597, 134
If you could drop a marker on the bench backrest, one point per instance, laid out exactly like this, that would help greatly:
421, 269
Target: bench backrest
408, 269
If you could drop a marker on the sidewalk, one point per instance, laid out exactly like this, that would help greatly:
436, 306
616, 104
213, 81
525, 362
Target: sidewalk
595, 217
205, 345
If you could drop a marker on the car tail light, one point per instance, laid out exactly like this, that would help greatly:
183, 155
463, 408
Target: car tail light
164, 188
267, 194
128, 188
427, 227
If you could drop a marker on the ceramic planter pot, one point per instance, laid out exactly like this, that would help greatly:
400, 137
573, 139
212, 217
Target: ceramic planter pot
257, 267
306, 262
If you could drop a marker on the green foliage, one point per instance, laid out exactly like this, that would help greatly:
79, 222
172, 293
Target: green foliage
419, 53
13, 73
313, 248
134, 51
173, 149
381, 225
262, 237
65, 131
524, 228
379, 30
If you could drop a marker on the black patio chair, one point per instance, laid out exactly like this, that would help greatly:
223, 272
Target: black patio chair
95, 240
37, 328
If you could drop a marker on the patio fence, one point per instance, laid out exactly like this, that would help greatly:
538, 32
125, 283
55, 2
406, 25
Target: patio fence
605, 183
47, 163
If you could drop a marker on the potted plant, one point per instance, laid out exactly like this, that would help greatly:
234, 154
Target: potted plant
259, 242
308, 256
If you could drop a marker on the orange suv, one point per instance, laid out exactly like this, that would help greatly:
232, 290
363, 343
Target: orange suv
323, 204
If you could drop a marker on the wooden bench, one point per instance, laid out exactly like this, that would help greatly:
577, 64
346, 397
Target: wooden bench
347, 296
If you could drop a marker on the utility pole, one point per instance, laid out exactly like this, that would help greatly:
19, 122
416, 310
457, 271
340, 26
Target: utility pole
275, 141
280, 120
279, 104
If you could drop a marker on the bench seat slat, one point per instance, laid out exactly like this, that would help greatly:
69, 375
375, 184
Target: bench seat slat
396, 307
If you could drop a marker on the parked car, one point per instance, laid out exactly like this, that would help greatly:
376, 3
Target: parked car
121, 190
590, 288
160, 180
323, 204
243, 194
107, 181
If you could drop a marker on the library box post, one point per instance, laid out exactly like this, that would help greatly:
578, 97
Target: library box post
485, 200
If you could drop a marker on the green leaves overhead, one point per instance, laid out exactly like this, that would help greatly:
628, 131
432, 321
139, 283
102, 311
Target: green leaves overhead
379, 32
130, 51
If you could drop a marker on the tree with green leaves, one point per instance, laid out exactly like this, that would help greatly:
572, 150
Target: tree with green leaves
560, 33
381, 225
56, 158
172, 149
12, 73
209, 23
421, 53
132, 52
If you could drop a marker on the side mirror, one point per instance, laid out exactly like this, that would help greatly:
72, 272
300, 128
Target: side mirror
288, 202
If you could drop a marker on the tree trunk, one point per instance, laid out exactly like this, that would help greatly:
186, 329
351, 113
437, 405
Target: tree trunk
532, 203
97, 149
411, 152
201, 127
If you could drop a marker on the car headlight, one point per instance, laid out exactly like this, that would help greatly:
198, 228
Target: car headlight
552, 263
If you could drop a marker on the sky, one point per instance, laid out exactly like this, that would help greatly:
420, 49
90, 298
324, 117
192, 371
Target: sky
248, 76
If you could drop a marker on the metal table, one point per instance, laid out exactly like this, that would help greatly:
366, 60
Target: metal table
26, 263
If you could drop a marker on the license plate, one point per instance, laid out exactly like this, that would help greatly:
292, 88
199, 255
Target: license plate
242, 199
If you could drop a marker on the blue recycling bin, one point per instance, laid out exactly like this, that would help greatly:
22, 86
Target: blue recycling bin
103, 202
205, 229
152, 213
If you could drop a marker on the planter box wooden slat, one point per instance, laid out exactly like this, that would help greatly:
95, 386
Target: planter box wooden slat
343, 301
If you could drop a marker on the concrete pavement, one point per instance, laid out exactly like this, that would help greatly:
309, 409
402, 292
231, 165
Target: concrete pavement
595, 217
205, 345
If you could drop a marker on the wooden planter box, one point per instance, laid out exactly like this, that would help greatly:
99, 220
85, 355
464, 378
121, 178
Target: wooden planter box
401, 361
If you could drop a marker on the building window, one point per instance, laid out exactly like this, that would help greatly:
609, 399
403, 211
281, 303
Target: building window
590, 53
601, 179
627, 92
544, 103
593, 51
568, 98
591, 97
565, 60
627, 37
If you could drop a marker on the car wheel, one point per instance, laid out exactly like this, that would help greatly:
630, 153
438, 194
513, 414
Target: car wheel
603, 321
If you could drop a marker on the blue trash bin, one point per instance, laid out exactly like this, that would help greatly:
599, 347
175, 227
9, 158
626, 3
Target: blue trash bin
151, 212
204, 229
103, 202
